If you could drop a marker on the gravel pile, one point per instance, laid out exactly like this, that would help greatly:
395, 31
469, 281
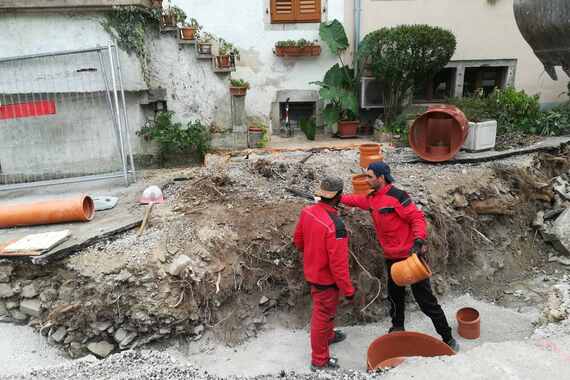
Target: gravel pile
155, 365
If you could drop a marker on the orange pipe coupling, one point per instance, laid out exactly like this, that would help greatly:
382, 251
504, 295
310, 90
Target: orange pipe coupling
72, 209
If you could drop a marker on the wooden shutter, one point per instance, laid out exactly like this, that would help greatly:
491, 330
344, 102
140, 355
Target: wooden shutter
282, 11
308, 10
291, 11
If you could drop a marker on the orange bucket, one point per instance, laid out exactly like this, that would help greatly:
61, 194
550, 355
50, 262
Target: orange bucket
390, 350
360, 184
410, 271
468, 323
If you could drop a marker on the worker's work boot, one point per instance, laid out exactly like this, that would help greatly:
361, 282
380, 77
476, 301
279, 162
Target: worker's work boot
331, 365
396, 329
451, 342
339, 336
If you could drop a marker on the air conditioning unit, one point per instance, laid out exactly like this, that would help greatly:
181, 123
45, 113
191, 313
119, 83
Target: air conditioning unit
371, 93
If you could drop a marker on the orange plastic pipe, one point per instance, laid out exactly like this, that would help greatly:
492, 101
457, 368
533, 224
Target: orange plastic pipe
63, 210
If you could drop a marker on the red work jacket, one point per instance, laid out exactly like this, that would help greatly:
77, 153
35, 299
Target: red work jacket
397, 220
322, 237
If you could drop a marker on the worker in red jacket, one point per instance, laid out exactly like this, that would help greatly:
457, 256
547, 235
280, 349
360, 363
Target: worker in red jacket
322, 238
400, 230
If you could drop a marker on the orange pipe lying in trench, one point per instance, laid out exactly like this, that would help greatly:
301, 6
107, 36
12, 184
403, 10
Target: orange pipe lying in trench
63, 210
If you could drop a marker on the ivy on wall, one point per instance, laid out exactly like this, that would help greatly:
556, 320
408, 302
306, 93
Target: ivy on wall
130, 26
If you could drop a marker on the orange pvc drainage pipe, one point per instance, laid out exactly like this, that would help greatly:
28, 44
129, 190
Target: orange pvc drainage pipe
439, 133
72, 209
391, 350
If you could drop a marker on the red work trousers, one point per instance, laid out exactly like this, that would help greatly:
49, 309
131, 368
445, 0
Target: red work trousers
325, 302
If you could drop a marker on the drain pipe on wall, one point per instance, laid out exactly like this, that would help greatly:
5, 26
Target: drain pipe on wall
356, 42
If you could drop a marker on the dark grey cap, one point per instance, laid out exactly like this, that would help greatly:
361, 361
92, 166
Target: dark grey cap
330, 187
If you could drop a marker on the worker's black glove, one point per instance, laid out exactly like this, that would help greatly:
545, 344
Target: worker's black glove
420, 248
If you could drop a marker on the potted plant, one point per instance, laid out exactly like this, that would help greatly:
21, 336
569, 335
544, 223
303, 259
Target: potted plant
299, 48
205, 43
227, 54
338, 88
172, 16
190, 30
238, 87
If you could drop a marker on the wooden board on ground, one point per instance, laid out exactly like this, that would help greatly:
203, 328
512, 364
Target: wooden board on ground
38, 242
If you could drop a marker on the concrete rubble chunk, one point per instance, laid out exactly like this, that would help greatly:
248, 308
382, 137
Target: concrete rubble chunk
31, 307
6, 291
101, 326
120, 335
101, 349
263, 300
128, 340
178, 265
561, 230
29, 291
12, 305
18, 315
59, 334
3, 309
5, 273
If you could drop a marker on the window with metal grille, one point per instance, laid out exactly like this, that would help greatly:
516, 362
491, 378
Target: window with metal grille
294, 11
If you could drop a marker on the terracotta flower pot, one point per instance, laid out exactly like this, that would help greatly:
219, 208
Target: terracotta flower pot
360, 184
238, 91
205, 48
391, 350
410, 271
224, 61
347, 128
187, 33
468, 323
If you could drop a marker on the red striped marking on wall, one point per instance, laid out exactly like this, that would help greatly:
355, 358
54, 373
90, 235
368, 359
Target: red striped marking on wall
29, 109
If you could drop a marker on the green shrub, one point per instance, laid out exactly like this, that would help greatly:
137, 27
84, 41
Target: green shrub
476, 108
403, 56
309, 128
554, 122
515, 110
174, 137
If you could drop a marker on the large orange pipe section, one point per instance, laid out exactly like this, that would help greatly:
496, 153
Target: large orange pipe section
72, 209
439, 133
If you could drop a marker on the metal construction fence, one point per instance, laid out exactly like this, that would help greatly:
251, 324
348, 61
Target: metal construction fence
63, 118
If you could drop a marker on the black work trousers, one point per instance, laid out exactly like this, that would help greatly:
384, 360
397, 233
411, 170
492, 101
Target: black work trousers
424, 297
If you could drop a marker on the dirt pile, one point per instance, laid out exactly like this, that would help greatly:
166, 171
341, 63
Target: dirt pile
219, 255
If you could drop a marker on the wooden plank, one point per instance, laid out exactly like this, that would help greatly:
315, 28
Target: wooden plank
38, 242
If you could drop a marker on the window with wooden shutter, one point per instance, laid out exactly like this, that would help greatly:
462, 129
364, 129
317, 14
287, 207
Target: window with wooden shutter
293, 11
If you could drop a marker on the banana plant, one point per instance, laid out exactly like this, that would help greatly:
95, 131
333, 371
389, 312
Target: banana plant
338, 86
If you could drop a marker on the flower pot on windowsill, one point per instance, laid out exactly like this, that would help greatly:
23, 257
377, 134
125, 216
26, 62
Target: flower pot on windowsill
204, 48
238, 91
187, 33
294, 51
224, 61
348, 129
